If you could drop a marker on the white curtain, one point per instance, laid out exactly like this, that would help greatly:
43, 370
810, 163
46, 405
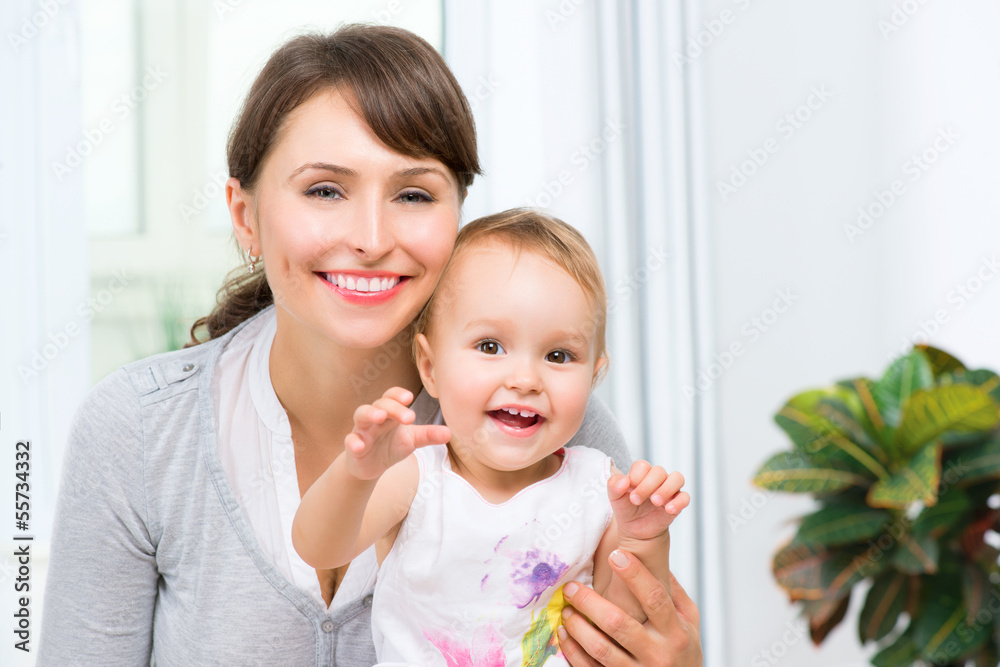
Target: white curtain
44, 333
44, 341
581, 109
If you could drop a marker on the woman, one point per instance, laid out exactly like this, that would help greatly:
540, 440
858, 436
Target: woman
349, 164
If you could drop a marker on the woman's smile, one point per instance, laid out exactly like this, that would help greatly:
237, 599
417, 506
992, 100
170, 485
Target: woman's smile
365, 288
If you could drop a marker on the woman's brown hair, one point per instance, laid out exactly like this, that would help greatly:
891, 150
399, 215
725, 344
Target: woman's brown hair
398, 83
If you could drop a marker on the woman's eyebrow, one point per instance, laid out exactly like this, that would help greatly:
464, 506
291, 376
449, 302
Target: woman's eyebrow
326, 166
346, 171
420, 171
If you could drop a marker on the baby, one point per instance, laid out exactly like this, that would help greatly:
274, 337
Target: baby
478, 524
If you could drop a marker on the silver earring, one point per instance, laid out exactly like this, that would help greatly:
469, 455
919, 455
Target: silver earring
253, 262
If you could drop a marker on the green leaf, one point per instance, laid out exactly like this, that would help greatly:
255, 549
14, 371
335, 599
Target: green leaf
976, 463
986, 380
931, 412
938, 519
917, 480
916, 555
847, 414
976, 587
796, 418
885, 602
941, 362
826, 616
942, 628
798, 569
809, 572
901, 653
795, 473
822, 439
905, 375
873, 420
842, 523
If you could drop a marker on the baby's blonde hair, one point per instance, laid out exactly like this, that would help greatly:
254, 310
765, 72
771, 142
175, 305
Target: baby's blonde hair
545, 235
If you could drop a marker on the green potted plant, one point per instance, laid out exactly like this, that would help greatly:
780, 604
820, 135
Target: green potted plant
905, 470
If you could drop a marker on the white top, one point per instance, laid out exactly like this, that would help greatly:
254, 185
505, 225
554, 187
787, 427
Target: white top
477, 581
255, 446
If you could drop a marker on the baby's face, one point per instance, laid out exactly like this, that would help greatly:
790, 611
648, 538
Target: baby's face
511, 356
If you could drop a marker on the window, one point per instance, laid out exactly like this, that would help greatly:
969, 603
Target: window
162, 83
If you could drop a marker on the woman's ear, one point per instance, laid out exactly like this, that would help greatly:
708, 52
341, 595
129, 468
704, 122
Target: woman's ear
425, 364
237, 199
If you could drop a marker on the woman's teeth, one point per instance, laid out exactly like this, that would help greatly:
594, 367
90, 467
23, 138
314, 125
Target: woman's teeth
358, 284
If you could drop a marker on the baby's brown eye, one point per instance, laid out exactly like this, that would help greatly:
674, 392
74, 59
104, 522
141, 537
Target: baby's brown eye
558, 356
490, 347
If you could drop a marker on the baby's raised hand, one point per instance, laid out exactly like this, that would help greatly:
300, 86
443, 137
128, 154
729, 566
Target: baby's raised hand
646, 500
384, 434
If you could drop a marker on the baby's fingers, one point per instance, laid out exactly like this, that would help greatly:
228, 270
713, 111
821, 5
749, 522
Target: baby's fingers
668, 489
367, 416
398, 394
430, 435
618, 486
355, 444
652, 481
395, 410
678, 503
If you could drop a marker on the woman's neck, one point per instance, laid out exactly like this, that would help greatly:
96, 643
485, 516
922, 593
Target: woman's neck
320, 385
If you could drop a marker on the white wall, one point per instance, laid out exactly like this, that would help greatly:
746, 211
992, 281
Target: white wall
854, 302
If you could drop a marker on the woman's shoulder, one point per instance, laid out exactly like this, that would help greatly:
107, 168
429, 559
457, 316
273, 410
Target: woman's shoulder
600, 431
162, 374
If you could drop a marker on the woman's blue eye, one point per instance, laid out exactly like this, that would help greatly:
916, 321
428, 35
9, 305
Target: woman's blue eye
324, 192
489, 347
559, 357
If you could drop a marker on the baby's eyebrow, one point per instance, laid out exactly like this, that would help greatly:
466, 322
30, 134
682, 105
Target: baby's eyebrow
573, 336
500, 324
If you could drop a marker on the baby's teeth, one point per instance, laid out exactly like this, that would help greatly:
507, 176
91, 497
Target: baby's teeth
525, 413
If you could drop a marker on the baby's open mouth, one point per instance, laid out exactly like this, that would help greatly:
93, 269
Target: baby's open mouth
516, 418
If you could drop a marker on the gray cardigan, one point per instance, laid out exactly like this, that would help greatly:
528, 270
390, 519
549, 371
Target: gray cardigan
153, 560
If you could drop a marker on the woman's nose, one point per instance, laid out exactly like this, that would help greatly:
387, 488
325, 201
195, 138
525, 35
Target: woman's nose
370, 237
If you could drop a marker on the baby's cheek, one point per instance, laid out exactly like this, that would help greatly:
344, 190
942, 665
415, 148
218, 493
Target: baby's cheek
575, 404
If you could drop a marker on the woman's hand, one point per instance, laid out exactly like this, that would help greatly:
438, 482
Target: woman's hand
669, 638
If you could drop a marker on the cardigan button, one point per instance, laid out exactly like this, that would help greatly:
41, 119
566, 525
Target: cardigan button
327, 626
188, 368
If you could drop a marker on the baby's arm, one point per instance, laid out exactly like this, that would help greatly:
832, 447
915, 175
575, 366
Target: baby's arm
645, 502
364, 494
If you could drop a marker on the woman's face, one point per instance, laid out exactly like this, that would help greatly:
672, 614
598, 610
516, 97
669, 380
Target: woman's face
353, 235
